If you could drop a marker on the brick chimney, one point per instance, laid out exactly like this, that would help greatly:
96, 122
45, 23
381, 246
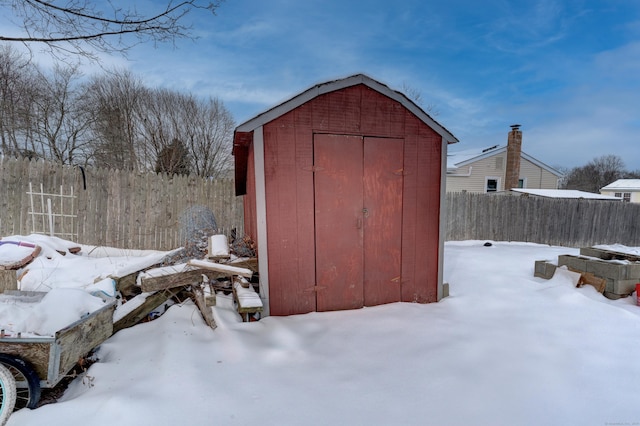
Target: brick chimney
514, 151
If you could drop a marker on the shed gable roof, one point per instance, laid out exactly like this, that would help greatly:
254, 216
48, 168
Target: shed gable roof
331, 86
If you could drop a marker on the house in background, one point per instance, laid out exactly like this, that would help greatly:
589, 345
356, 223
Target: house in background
498, 168
626, 189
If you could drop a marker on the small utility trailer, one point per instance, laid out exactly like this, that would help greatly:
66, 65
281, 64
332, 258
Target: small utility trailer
42, 362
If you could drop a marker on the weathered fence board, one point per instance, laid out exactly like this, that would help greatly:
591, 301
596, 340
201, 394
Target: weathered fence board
566, 222
134, 210
117, 208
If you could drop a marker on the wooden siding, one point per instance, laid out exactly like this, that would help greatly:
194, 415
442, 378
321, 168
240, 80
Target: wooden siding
250, 214
288, 144
339, 221
382, 218
288, 141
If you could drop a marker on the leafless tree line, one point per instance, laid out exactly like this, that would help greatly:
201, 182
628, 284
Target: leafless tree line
597, 173
109, 120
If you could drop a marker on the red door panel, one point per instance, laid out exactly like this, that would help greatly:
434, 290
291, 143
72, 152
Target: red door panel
383, 182
338, 228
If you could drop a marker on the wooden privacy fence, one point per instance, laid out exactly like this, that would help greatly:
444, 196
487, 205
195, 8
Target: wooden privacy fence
111, 207
143, 211
565, 222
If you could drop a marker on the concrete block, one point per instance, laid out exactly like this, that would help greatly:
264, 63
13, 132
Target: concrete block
544, 269
575, 262
604, 269
633, 271
594, 252
609, 287
624, 287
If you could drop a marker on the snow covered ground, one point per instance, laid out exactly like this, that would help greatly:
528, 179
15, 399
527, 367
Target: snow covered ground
504, 348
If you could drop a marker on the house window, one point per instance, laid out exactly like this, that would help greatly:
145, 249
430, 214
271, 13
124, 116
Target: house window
491, 185
626, 196
521, 183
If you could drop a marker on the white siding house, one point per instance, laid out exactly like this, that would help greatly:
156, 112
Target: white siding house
626, 189
483, 170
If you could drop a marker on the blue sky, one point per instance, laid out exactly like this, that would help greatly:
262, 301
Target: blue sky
567, 71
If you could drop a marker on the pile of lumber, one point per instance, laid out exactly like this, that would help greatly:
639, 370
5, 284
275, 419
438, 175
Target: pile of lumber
196, 279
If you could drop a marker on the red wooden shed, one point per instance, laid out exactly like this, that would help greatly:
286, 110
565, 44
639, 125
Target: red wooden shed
343, 193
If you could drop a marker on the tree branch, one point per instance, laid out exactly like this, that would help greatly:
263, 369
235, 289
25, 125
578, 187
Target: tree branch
84, 29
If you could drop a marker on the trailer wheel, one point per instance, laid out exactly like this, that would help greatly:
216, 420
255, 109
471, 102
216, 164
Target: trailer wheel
7, 394
27, 381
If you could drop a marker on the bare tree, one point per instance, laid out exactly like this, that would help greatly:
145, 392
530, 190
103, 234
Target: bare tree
82, 27
596, 174
210, 139
60, 120
416, 96
204, 127
114, 101
17, 91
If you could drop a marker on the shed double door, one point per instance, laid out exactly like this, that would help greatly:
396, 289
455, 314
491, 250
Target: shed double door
358, 220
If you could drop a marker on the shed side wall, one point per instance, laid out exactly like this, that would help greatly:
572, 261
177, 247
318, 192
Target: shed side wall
249, 200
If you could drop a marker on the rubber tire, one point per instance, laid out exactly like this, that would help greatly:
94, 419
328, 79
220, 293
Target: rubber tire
23, 372
8, 396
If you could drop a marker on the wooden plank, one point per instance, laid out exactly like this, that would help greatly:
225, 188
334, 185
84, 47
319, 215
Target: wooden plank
78, 339
600, 284
8, 281
383, 184
37, 354
409, 206
288, 155
127, 285
178, 279
228, 270
205, 310
141, 312
251, 263
339, 222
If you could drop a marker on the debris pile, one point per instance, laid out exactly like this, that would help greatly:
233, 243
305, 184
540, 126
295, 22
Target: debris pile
144, 283
613, 271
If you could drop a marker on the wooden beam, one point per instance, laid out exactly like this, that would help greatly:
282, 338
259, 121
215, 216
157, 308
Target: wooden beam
127, 285
178, 279
228, 270
207, 313
141, 312
250, 263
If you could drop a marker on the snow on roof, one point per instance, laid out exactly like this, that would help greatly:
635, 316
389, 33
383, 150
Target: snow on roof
463, 158
455, 159
623, 185
565, 193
